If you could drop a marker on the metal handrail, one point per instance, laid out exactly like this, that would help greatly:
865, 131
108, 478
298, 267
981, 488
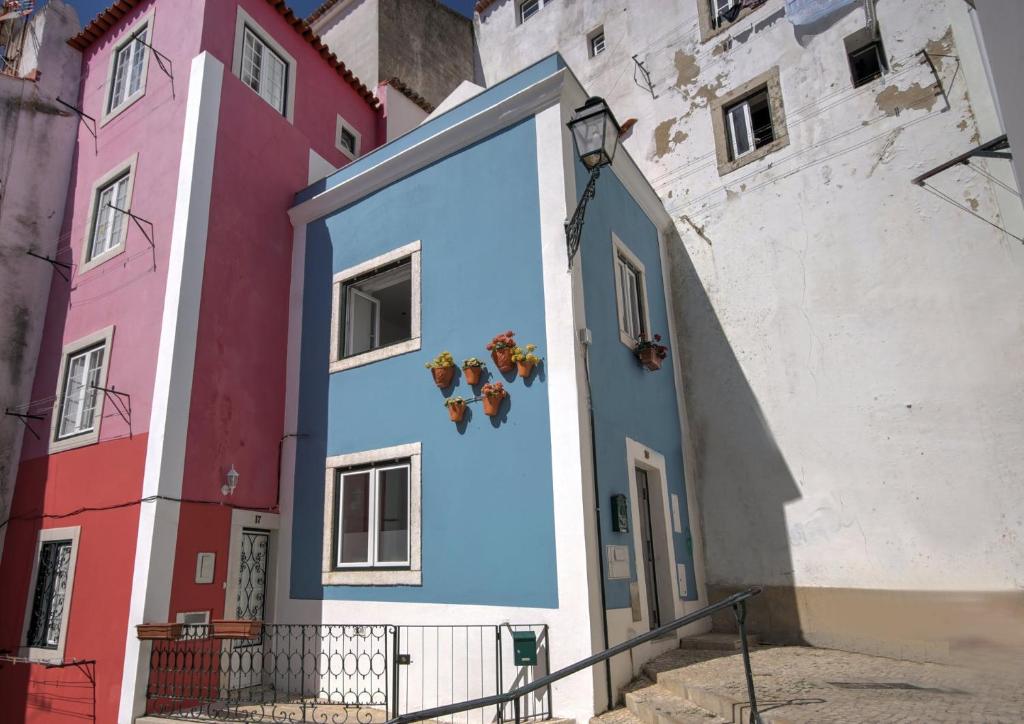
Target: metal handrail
737, 602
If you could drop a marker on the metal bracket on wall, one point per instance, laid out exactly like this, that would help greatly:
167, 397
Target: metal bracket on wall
58, 266
574, 226
645, 77
122, 403
139, 221
943, 91
24, 417
83, 117
160, 58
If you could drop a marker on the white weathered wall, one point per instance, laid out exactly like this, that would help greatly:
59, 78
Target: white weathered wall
852, 342
401, 114
351, 30
37, 137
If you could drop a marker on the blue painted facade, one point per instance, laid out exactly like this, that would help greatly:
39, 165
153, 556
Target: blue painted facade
628, 400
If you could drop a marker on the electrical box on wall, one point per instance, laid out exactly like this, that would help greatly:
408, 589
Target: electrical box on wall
620, 514
204, 567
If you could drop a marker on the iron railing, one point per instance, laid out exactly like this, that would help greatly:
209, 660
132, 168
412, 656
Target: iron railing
338, 673
737, 601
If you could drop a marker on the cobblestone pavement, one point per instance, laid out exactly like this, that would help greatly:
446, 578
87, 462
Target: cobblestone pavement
801, 684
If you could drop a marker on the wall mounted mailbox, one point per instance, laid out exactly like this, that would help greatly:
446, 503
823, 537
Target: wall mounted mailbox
524, 648
620, 514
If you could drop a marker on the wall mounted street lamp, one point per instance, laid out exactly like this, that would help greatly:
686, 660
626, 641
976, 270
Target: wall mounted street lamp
596, 134
231, 481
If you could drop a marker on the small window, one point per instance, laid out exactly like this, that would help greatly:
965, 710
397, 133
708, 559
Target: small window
631, 294
50, 595
723, 11
867, 63
346, 139
108, 221
596, 43
82, 375
529, 8
378, 308
373, 517
263, 70
128, 73
749, 124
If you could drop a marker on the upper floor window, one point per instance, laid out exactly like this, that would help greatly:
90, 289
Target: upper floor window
866, 55
129, 63
79, 405
347, 139
749, 122
630, 294
264, 65
377, 309
596, 42
108, 218
529, 8
263, 70
46, 616
723, 11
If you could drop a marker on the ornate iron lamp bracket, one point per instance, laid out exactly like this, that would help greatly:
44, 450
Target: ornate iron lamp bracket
574, 226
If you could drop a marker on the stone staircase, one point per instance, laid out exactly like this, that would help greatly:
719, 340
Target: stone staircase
660, 696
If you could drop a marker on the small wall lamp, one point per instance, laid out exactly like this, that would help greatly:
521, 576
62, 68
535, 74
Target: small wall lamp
596, 134
232, 480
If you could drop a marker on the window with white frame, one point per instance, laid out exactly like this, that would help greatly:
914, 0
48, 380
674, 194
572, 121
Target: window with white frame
596, 43
264, 70
128, 72
529, 8
347, 139
630, 294
108, 216
372, 517
749, 124
78, 407
723, 11
46, 616
376, 309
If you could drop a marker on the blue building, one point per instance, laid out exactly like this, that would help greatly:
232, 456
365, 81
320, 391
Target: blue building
570, 508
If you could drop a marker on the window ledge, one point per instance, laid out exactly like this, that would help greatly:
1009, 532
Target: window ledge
53, 656
125, 105
77, 441
376, 355
628, 341
372, 578
756, 155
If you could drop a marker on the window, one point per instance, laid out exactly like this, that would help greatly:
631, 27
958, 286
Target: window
376, 309
79, 405
263, 65
46, 616
630, 294
347, 139
529, 8
126, 82
867, 63
597, 43
108, 222
749, 122
263, 70
372, 517
723, 11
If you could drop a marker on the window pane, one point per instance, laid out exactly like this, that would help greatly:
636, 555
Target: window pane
74, 388
49, 595
272, 81
761, 119
528, 9
348, 141
393, 515
354, 515
739, 135
120, 75
89, 396
138, 54
597, 44
378, 309
250, 61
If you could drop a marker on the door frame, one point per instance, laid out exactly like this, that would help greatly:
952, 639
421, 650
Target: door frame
241, 519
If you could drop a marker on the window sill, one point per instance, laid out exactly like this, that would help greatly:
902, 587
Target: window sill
376, 355
727, 167
77, 441
125, 105
53, 656
372, 577
626, 340
102, 258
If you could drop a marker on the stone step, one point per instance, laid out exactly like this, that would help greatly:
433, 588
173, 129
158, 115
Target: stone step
717, 642
729, 708
657, 705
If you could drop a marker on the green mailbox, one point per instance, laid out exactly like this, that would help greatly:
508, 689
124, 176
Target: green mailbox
524, 648
620, 514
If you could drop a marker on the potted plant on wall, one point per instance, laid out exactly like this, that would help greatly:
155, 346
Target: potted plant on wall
501, 350
442, 368
651, 353
237, 629
471, 370
492, 395
525, 359
456, 408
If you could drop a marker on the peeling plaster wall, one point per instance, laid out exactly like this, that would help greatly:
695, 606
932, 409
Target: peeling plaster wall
852, 342
37, 137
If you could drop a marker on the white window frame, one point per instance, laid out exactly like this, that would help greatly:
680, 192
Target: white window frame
339, 363
716, 11
112, 111
244, 22
373, 543
730, 118
126, 167
343, 125
592, 41
619, 249
520, 4
409, 574
105, 338
46, 535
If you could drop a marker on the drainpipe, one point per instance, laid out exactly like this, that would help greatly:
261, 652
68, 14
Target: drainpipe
585, 341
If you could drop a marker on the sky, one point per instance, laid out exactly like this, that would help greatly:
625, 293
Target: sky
88, 9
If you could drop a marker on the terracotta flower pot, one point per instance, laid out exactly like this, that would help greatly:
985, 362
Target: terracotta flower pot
503, 359
158, 631
492, 403
443, 376
456, 412
525, 368
649, 358
472, 375
232, 629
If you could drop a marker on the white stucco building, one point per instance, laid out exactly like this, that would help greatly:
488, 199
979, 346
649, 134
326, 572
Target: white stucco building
851, 340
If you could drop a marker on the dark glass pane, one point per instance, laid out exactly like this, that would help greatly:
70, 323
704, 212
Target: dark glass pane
761, 119
393, 514
866, 64
355, 518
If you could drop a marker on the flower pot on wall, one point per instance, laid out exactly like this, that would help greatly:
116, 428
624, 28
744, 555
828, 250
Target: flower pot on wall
492, 405
443, 376
650, 358
158, 631
525, 368
472, 375
503, 359
235, 629
456, 411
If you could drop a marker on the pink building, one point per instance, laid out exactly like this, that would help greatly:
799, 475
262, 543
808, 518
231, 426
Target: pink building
162, 364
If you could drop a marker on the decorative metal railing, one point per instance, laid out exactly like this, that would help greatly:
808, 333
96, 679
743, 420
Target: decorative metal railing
341, 673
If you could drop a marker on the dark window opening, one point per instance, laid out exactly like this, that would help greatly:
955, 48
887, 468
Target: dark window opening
867, 63
749, 124
377, 309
